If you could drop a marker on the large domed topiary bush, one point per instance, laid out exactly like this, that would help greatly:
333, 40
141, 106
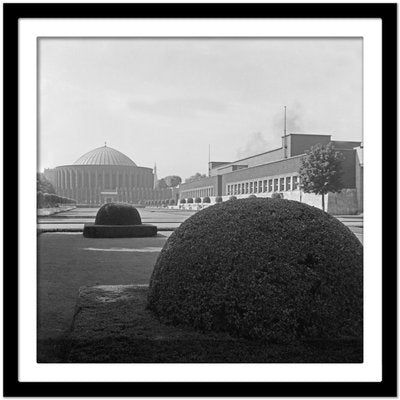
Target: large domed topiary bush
261, 269
118, 214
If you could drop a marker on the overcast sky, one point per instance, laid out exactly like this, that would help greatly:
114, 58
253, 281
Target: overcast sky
166, 100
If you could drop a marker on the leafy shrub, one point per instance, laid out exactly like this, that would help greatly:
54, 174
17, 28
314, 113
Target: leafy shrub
233, 198
117, 214
197, 200
261, 268
206, 200
40, 200
276, 195
190, 200
171, 202
252, 196
218, 199
182, 201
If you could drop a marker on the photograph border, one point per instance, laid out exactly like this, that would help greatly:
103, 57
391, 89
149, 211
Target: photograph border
386, 12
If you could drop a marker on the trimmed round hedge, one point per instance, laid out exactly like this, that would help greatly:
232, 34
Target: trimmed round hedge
261, 268
118, 214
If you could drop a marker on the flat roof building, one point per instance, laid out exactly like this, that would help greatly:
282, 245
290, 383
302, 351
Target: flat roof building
277, 171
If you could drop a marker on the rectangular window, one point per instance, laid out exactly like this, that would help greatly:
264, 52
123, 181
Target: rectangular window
229, 190
282, 184
265, 186
295, 182
236, 189
270, 185
242, 188
247, 187
255, 187
275, 184
259, 186
251, 187
288, 183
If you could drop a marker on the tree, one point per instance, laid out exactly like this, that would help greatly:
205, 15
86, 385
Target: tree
43, 184
321, 171
197, 176
161, 184
173, 180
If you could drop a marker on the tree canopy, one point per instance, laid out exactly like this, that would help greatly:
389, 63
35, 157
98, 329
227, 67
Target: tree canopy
161, 184
43, 184
321, 171
197, 176
172, 180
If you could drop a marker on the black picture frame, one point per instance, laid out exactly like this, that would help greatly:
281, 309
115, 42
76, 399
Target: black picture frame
387, 13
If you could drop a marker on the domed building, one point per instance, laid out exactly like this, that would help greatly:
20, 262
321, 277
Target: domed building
104, 175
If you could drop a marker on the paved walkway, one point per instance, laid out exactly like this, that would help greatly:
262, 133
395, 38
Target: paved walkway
162, 218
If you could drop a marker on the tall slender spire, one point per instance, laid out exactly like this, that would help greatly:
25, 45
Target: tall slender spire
155, 176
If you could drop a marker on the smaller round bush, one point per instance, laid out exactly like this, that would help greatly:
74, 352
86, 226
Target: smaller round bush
197, 200
206, 200
233, 198
171, 202
182, 201
117, 214
252, 196
218, 199
276, 195
190, 200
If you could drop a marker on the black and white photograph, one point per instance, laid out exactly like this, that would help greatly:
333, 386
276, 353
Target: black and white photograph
203, 199
200, 200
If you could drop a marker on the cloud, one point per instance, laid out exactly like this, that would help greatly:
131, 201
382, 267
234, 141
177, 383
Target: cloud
255, 144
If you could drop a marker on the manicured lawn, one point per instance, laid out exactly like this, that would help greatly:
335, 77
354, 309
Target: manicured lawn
68, 261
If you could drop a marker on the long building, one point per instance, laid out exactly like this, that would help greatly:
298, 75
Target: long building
276, 171
106, 175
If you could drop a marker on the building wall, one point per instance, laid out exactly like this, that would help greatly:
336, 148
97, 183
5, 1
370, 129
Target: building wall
94, 184
252, 161
210, 186
360, 179
299, 144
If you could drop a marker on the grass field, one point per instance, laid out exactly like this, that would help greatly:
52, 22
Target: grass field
68, 261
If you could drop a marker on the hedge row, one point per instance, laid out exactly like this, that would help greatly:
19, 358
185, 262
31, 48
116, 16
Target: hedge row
45, 200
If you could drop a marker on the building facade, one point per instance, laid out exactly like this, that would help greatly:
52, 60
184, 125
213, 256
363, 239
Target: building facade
276, 171
106, 175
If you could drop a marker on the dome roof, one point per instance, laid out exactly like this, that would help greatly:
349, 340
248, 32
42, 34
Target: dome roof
104, 156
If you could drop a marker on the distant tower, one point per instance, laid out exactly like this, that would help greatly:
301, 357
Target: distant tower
155, 175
